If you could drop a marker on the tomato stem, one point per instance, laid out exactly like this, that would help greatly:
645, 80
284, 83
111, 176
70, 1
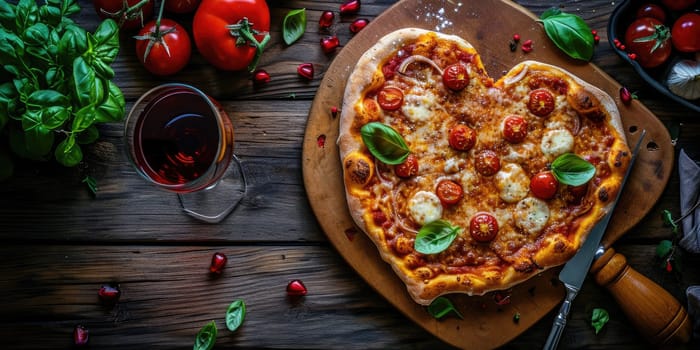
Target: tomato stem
156, 36
127, 12
245, 34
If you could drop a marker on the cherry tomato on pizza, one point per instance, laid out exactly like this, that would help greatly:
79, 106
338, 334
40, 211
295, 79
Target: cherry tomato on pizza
390, 98
449, 192
408, 168
163, 50
483, 227
544, 185
677, 5
129, 14
181, 6
455, 77
685, 33
649, 40
487, 163
232, 34
541, 102
462, 137
514, 129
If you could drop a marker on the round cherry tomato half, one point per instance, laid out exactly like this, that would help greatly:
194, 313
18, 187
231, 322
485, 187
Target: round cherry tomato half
543, 185
541, 102
462, 137
166, 52
653, 11
685, 33
649, 40
181, 6
487, 163
677, 5
390, 98
449, 192
218, 25
483, 227
514, 129
455, 77
127, 14
408, 168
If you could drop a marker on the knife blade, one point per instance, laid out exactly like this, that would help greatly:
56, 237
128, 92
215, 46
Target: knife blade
575, 270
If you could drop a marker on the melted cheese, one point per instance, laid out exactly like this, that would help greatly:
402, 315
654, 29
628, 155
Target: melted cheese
512, 183
531, 214
425, 207
556, 142
419, 107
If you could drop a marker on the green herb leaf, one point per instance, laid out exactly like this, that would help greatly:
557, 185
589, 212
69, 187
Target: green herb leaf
68, 152
235, 315
91, 184
385, 143
669, 222
550, 12
570, 33
572, 170
206, 337
294, 25
599, 318
435, 237
441, 307
664, 248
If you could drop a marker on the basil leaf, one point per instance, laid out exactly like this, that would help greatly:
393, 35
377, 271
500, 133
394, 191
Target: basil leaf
294, 25
441, 307
113, 107
88, 135
664, 248
570, 33
235, 315
385, 143
572, 170
599, 318
68, 152
84, 80
435, 237
206, 337
550, 12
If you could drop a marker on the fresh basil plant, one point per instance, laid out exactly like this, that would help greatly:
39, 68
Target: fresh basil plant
569, 33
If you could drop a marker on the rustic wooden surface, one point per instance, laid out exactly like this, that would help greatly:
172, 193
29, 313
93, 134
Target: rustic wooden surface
59, 244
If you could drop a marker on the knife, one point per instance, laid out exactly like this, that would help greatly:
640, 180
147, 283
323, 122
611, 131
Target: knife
574, 272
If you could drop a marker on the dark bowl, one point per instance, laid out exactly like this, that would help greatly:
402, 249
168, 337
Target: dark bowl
621, 17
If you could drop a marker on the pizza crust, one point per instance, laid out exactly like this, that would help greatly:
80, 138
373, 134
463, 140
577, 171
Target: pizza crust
359, 167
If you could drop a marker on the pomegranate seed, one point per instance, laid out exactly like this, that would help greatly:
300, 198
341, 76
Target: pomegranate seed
218, 261
326, 19
306, 70
296, 288
329, 44
80, 335
334, 111
594, 32
321, 141
669, 266
596, 39
625, 95
632, 56
528, 42
501, 299
261, 77
350, 7
516, 37
109, 293
526, 48
357, 25
622, 47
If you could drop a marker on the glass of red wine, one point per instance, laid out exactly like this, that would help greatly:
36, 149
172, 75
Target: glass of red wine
181, 140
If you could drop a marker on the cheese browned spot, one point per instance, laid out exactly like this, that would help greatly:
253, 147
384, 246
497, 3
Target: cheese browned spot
359, 169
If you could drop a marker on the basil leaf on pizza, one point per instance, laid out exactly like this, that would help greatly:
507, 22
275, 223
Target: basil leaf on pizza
435, 237
572, 170
385, 143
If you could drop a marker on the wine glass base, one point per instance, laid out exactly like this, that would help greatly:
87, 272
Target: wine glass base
214, 204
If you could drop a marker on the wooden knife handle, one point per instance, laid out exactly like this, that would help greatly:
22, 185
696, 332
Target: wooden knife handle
654, 312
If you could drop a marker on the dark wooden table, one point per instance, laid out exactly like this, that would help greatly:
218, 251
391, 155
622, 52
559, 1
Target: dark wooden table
60, 244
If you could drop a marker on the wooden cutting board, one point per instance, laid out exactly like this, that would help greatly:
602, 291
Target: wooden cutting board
486, 324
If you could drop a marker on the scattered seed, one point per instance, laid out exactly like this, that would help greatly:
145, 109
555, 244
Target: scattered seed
218, 261
296, 288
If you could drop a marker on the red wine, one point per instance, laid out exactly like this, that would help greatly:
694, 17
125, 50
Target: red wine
177, 139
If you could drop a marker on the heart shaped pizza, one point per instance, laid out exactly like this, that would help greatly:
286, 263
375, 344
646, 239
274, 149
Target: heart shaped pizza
470, 185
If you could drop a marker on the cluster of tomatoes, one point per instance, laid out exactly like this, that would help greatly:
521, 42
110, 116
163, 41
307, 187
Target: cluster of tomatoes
218, 27
659, 28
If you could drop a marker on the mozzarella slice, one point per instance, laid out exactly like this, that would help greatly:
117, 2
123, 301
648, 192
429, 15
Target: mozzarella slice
425, 207
556, 142
531, 214
512, 182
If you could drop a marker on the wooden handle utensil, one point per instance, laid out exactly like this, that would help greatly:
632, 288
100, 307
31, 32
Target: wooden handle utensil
654, 312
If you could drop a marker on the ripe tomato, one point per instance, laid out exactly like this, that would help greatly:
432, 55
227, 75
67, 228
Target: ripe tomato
650, 40
541, 102
653, 11
483, 227
408, 168
685, 33
677, 5
487, 163
514, 128
129, 14
166, 51
449, 192
455, 77
390, 98
181, 6
462, 137
219, 25
543, 185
